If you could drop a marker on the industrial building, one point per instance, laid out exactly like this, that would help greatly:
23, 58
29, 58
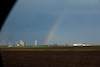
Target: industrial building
22, 44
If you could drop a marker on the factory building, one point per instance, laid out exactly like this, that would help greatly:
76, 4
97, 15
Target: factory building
17, 44
22, 44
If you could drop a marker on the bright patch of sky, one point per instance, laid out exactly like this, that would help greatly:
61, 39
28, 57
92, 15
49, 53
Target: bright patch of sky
32, 20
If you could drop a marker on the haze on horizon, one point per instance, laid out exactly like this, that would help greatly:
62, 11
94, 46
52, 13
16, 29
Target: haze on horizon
32, 20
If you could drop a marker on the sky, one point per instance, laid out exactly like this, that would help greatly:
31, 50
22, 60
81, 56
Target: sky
77, 21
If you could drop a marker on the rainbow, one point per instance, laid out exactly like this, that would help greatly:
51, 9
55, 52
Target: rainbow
56, 24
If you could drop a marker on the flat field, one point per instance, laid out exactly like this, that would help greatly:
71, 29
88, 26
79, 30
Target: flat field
51, 57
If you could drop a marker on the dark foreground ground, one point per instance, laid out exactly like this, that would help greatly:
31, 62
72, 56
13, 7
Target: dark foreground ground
51, 58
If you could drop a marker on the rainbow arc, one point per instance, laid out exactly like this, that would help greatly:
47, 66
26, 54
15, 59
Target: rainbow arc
54, 27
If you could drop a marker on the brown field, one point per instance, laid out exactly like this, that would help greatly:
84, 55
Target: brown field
50, 58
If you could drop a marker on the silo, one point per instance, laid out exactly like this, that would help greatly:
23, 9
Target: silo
35, 42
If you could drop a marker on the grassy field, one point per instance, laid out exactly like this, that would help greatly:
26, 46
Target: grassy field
93, 48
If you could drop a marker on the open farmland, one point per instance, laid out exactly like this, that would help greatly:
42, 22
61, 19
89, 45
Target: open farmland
51, 57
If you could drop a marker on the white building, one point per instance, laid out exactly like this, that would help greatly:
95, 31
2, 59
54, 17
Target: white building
81, 44
35, 42
10, 46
